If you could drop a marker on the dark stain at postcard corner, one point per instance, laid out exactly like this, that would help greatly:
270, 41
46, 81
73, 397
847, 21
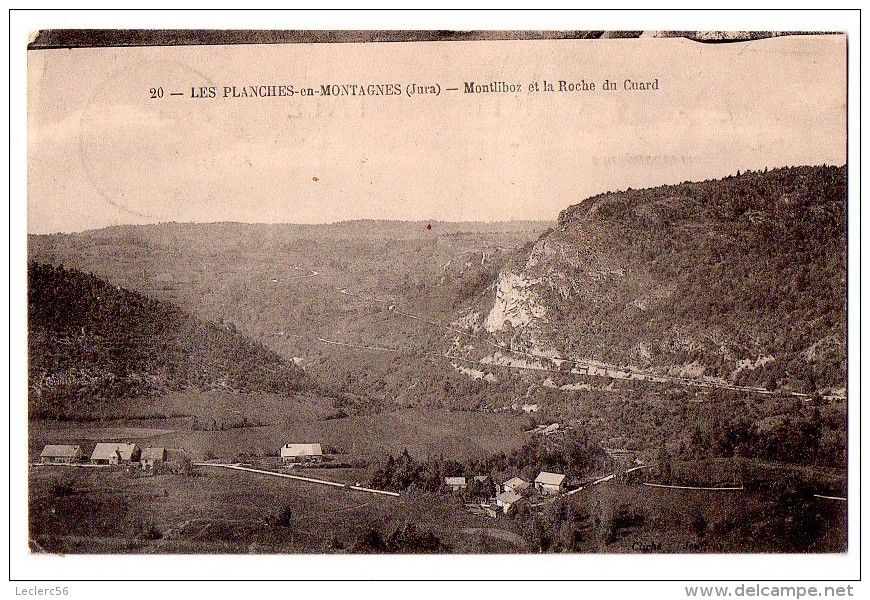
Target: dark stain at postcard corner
95, 38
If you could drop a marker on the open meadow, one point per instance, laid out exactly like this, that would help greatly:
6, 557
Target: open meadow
423, 432
212, 510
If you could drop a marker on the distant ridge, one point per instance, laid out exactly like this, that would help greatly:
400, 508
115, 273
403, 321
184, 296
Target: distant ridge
358, 225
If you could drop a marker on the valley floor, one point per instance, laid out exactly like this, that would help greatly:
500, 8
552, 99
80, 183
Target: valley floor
213, 510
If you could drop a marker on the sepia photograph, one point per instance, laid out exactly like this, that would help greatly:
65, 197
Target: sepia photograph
358, 292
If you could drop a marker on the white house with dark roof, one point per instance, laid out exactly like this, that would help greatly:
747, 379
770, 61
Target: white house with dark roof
112, 453
60, 454
550, 483
301, 453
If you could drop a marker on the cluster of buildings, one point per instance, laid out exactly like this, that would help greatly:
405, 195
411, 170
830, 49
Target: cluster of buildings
114, 453
105, 453
515, 490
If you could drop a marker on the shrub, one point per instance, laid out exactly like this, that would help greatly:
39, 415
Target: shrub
370, 541
409, 539
63, 489
146, 530
282, 517
699, 525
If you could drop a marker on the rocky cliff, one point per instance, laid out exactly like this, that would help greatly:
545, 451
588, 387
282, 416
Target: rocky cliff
740, 281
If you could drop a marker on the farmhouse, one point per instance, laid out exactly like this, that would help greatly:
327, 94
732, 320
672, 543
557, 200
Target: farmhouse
110, 453
301, 453
517, 485
550, 483
59, 454
508, 501
151, 457
456, 484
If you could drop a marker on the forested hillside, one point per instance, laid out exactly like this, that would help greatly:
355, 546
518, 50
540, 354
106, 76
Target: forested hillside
94, 346
742, 280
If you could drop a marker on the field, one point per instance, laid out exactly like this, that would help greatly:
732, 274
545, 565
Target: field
105, 510
422, 432
657, 520
214, 510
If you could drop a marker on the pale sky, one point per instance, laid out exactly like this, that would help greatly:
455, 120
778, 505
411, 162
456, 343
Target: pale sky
101, 152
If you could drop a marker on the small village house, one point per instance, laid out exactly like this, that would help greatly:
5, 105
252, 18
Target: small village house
301, 453
508, 501
517, 485
60, 454
550, 483
151, 457
456, 484
111, 453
